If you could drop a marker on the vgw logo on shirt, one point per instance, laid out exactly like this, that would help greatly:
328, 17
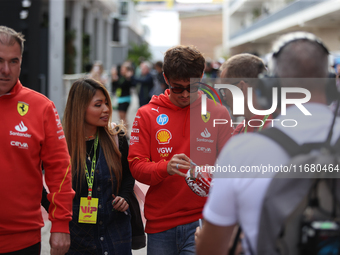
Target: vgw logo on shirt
162, 119
164, 151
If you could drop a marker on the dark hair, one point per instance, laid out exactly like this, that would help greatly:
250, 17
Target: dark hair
300, 54
183, 63
88, 67
159, 64
81, 93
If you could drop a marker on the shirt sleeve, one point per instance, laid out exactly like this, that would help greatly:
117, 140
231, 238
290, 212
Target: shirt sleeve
220, 208
142, 168
57, 165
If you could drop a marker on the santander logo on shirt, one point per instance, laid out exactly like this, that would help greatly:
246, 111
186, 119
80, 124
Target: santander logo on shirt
21, 127
205, 133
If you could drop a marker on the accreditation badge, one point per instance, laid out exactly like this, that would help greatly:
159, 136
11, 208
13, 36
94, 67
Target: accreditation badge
88, 210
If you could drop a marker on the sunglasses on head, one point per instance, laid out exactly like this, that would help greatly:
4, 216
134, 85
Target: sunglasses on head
191, 88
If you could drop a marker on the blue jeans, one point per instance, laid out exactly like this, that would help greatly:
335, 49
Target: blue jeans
178, 240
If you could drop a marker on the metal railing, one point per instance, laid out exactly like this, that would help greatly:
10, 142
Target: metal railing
287, 11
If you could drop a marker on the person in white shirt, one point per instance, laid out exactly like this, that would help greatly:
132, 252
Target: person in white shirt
239, 200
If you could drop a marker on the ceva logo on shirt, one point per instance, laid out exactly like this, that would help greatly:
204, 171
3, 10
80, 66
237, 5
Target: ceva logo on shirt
162, 119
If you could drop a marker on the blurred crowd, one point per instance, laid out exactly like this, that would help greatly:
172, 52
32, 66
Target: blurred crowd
147, 79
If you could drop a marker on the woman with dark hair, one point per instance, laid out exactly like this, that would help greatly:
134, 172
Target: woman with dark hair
122, 84
101, 176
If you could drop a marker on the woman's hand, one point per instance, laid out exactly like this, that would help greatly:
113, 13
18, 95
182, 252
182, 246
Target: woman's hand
119, 203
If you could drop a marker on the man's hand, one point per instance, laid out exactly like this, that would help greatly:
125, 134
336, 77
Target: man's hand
178, 161
213, 239
197, 233
60, 243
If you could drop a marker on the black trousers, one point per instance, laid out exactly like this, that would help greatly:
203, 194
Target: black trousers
32, 250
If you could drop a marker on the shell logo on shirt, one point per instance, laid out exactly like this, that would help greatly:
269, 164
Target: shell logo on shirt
163, 136
22, 108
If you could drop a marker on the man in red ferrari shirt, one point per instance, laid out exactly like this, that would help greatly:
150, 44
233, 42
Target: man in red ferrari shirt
167, 134
30, 134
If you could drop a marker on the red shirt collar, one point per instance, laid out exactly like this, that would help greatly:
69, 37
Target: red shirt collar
15, 89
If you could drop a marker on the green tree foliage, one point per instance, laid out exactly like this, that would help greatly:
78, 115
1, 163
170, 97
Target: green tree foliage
70, 52
137, 51
86, 52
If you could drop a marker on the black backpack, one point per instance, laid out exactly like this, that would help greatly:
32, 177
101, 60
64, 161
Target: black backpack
300, 213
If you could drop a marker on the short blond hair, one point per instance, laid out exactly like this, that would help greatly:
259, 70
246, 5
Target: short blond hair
243, 66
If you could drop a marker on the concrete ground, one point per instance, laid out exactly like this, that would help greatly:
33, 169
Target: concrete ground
45, 231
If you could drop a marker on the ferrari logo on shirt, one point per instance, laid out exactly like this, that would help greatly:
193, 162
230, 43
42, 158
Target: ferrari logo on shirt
22, 108
206, 117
